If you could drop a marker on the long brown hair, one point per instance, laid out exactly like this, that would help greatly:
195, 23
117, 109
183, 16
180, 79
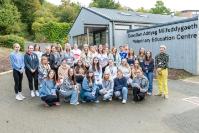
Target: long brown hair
54, 78
93, 65
150, 57
90, 79
78, 67
72, 78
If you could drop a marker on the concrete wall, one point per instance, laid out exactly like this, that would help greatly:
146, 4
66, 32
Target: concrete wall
183, 52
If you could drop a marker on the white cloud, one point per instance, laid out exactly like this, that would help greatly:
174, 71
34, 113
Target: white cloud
175, 5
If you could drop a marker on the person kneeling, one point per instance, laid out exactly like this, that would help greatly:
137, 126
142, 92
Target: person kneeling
89, 91
48, 91
120, 86
140, 86
69, 88
107, 86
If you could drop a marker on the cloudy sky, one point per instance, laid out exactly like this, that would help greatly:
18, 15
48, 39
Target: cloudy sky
175, 5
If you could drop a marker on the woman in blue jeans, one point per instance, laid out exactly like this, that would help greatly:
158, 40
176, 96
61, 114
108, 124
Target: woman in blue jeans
69, 87
148, 68
89, 91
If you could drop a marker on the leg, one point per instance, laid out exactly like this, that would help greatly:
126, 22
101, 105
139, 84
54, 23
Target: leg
124, 93
30, 78
107, 96
117, 94
88, 97
150, 78
50, 99
136, 91
20, 82
141, 96
165, 81
74, 97
159, 79
36, 79
16, 77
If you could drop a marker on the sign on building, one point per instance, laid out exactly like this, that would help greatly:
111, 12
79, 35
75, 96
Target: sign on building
181, 39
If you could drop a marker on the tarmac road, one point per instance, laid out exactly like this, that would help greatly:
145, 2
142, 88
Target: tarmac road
154, 115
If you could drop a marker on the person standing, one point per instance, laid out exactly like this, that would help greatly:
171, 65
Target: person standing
148, 68
17, 63
37, 51
31, 68
161, 64
47, 53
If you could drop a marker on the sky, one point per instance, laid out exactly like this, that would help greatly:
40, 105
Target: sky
174, 5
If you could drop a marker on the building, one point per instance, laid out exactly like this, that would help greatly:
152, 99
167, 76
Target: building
180, 37
189, 13
109, 26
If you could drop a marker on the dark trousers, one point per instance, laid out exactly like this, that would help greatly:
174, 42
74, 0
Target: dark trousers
51, 99
18, 77
137, 95
32, 76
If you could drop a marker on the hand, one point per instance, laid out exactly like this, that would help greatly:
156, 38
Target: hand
32, 70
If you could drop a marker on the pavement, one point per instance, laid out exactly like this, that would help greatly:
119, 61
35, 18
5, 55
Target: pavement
178, 114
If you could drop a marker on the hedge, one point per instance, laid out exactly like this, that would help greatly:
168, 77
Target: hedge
8, 41
51, 32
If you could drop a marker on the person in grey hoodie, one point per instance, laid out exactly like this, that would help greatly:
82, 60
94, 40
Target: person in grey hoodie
107, 86
140, 86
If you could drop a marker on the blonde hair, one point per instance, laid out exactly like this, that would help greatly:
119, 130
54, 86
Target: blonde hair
43, 58
16, 44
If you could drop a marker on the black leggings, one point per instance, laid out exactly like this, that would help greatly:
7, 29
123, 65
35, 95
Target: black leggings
30, 77
137, 95
18, 77
51, 99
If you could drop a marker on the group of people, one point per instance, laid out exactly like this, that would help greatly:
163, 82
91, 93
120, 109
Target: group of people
88, 74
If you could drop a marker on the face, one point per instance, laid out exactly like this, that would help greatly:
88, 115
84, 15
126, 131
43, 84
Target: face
106, 76
37, 48
92, 48
48, 50
80, 63
162, 50
136, 63
67, 47
53, 49
64, 63
75, 46
148, 54
124, 61
30, 49
110, 62
85, 48
71, 72
51, 74
96, 60
44, 60
107, 50
17, 47
119, 74
90, 74
139, 73
114, 50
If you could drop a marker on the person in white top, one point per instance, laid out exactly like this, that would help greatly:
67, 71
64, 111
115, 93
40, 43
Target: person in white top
38, 52
112, 69
77, 52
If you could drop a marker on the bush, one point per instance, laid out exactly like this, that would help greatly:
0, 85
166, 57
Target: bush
51, 32
8, 41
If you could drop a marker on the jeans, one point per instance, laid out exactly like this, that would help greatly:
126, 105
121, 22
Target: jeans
89, 97
30, 77
149, 76
51, 99
18, 80
123, 93
107, 95
73, 94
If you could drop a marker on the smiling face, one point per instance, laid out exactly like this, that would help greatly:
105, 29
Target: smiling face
51, 74
70, 72
90, 74
136, 64
30, 49
16, 47
162, 50
124, 61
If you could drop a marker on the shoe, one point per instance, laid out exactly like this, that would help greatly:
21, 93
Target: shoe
120, 98
37, 93
110, 99
159, 94
57, 104
166, 96
18, 97
97, 101
77, 103
123, 101
32, 93
20, 94
149, 93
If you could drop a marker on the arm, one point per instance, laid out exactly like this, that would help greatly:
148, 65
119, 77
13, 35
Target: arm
151, 66
145, 85
85, 85
26, 63
13, 63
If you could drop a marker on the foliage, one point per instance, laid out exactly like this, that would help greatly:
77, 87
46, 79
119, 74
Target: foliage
9, 18
9, 40
160, 8
111, 4
51, 31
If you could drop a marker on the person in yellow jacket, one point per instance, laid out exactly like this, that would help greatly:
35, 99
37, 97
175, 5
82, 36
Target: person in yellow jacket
161, 63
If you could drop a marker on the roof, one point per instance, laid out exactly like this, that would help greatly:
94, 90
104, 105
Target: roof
130, 16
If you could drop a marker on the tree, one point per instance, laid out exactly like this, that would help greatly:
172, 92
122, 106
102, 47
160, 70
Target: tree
160, 8
9, 18
111, 4
141, 9
27, 8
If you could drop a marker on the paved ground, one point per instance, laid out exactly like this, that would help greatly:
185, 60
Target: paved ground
154, 115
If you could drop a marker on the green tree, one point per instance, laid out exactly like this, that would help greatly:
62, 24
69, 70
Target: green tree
27, 9
9, 18
141, 9
111, 4
160, 8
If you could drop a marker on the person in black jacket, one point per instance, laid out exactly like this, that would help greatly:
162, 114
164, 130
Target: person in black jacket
120, 86
31, 68
148, 68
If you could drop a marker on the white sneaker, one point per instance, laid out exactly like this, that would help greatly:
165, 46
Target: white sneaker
120, 98
18, 97
166, 96
20, 94
97, 101
110, 99
123, 101
77, 103
37, 93
32, 93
